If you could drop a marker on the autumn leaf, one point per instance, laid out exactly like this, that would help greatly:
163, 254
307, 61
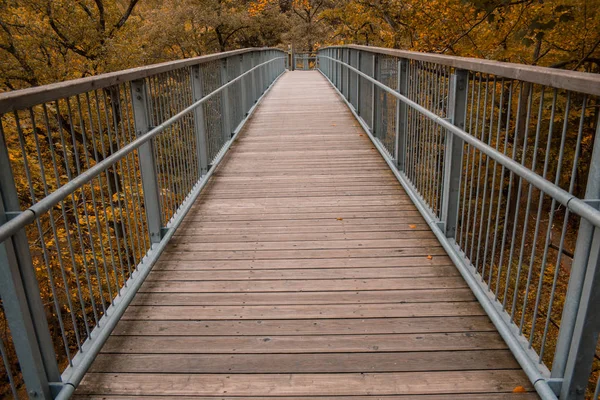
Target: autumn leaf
412, 226
339, 219
430, 257
519, 389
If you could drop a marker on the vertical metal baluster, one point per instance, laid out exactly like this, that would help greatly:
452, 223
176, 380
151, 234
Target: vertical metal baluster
437, 144
563, 235
485, 186
482, 138
427, 101
94, 204
434, 140
139, 208
21, 301
519, 188
67, 230
226, 129
508, 198
539, 212
473, 130
438, 140
190, 150
374, 100
103, 202
131, 220
358, 82
200, 128
110, 193
464, 200
175, 139
76, 214
500, 184
163, 170
551, 216
125, 230
495, 168
457, 110
527, 212
401, 116
147, 162
127, 221
420, 94
414, 76
175, 187
160, 142
59, 249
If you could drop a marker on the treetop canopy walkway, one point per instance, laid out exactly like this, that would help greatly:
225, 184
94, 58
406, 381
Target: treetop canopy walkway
389, 225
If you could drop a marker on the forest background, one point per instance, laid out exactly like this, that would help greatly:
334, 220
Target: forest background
44, 41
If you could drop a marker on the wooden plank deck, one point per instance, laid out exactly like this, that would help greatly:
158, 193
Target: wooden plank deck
304, 272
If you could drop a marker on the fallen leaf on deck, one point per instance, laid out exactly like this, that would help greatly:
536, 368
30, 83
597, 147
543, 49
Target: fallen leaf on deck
429, 257
339, 219
412, 226
519, 389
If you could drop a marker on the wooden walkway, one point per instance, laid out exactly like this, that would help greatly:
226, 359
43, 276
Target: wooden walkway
304, 272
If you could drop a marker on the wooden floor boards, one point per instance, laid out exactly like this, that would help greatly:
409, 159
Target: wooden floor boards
304, 271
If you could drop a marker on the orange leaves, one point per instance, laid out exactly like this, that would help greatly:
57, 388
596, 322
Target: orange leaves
519, 389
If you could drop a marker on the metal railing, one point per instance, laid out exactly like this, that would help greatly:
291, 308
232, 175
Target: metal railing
95, 175
305, 61
503, 161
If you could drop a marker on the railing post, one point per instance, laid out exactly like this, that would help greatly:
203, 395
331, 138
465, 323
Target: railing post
347, 75
21, 299
254, 90
358, 57
401, 115
374, 103
199, 122
457, 107
580, 324
141, 115
259, 71
243, 86
225, 112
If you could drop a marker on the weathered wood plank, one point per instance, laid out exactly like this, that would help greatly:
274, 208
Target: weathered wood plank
317, 285
340, 262
319, 273
179, 255
298, 298
304, 344
307, 245
305, 363
292, 327
306, 384
303, 311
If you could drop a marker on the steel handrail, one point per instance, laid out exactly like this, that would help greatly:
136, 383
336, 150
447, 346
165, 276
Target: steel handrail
570, 201
29, 215
577, 81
